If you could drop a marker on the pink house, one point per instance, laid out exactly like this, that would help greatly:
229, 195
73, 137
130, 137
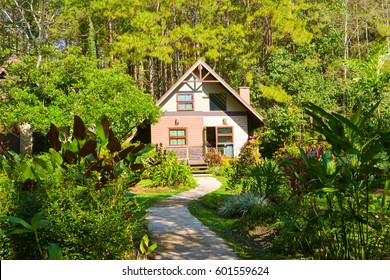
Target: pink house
202, 112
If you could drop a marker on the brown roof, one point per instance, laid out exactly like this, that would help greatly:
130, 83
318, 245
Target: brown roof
201, 63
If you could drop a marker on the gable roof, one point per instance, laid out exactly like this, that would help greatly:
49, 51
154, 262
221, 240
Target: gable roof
198, 65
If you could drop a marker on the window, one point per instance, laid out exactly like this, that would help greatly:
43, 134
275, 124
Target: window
185, 102
224, 135
225, 140
178, 137
217, 102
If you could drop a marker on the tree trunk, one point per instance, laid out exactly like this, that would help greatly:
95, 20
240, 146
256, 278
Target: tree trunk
357, 30
110, 38
151, 76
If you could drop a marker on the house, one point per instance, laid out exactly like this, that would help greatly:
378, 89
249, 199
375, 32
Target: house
202, 112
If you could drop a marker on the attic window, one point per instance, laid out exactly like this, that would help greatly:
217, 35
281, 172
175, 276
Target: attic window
185, 102
217, 102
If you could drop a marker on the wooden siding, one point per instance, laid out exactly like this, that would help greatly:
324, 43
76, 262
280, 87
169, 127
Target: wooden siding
193, 124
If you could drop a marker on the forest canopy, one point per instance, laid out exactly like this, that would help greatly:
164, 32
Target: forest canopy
332, 53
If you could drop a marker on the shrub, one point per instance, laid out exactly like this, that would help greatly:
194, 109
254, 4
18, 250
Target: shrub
89, 223
171, 173
80, 188
246, 204
267, 179
214, 158
249, 156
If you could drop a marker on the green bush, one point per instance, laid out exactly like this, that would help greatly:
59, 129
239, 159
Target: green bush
241, 174
170, 172
246, 204
90, 223
225, 169
267, 179
336, 215
214, 158
80, 187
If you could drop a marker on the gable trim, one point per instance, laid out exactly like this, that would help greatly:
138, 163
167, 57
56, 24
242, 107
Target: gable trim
199, 64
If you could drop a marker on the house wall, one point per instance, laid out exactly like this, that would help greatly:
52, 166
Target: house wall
201, 97
195, 121
231, 103
240, 128
194, 125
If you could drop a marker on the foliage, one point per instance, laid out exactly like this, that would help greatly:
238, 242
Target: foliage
268, 179
214, 158
99, 155
37, 222
144, 246
342, 218
80, 186
171, 173
284, 126
225, 169
249, 156
246, 204
67, 84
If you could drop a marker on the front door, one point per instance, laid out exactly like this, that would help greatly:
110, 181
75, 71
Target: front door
220, 138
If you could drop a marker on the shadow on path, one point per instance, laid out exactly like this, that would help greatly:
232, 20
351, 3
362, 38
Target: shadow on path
179, 235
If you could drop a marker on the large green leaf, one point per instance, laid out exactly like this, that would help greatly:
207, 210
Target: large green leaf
55, 252
102, 131
20, 221
27, 172
37, 221
56, 158
21, 231
42, 167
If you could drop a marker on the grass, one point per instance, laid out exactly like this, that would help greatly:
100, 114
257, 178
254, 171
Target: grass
233, 231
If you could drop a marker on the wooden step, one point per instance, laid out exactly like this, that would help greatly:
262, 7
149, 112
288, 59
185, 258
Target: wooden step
199, 168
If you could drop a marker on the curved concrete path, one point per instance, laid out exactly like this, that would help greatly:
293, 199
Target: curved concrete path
179, 235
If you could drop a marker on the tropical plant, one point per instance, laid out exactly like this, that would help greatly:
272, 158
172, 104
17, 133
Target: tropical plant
97, 154
268, 179
37, 223
342, 219
241, 205
144, 246
171, 172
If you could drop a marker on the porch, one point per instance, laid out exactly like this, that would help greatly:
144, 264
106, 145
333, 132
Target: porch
197, 155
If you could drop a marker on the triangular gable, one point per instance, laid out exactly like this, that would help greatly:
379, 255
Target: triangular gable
199, 65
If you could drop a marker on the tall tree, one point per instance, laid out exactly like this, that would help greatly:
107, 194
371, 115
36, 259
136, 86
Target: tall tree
32, 20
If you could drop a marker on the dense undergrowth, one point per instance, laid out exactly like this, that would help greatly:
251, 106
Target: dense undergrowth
325, 200
78, 200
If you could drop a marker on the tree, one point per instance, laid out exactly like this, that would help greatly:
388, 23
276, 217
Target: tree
31, 20
70, 84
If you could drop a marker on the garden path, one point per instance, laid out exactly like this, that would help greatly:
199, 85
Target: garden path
179, 235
